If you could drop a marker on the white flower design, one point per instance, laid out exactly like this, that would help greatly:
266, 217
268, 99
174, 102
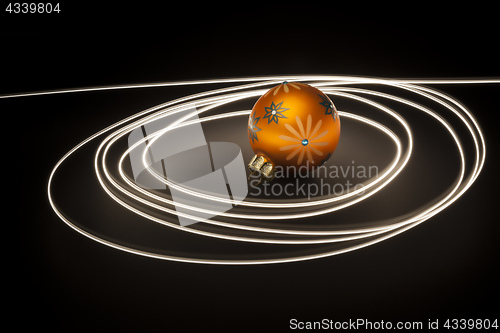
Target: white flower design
305, 140
285, 85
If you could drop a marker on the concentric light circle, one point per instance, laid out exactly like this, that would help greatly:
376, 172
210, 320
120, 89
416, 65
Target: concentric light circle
139, 200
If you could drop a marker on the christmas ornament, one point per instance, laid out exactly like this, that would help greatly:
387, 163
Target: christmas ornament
293, 124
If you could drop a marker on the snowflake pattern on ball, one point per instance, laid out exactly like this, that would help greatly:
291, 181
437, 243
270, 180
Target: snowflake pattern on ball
323, 161
330, 107
252, 127
274, 112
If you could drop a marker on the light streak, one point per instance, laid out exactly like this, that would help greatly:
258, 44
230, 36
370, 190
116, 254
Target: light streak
252, 87
254, 204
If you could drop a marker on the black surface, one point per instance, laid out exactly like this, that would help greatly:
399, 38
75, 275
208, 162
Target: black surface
445, 268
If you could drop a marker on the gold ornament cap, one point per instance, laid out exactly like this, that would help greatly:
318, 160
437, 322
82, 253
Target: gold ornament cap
263, 166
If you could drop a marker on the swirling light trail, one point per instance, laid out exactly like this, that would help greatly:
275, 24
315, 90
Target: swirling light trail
333, 85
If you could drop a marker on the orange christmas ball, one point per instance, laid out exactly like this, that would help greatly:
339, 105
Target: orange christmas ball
293, 124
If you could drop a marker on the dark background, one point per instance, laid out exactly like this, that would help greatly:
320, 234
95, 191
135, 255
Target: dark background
446, 268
